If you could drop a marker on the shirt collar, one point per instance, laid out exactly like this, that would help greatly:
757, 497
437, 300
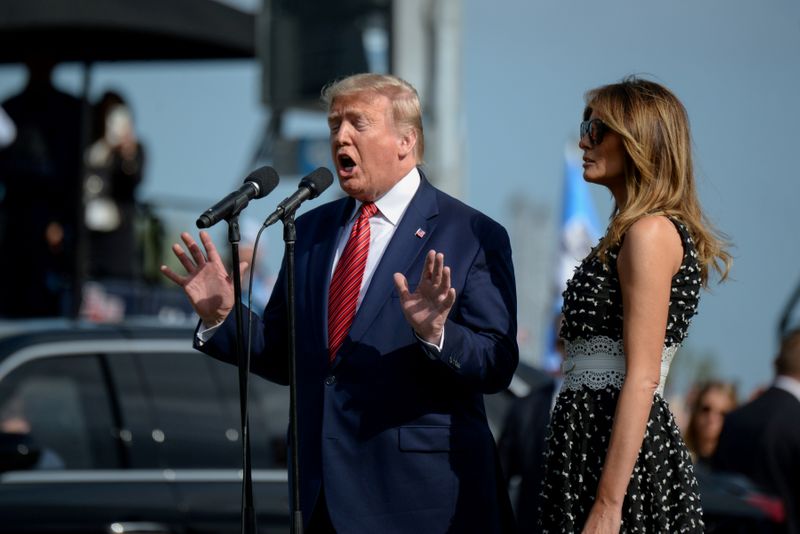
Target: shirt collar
788, 384
393, 204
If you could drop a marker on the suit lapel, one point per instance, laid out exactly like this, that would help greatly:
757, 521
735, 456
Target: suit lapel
407, 243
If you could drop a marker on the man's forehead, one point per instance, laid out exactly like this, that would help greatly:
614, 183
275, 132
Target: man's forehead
357, 102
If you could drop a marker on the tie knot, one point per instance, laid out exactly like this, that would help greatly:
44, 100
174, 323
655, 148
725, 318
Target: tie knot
368, 209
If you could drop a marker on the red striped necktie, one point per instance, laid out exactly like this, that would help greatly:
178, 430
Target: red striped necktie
347, 278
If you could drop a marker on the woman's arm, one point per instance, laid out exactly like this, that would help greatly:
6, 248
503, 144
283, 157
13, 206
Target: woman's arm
648, 259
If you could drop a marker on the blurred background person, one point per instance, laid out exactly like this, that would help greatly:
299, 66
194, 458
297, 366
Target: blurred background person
15, 419
712, 401
114, 163
761, 439
39, 188
522, 443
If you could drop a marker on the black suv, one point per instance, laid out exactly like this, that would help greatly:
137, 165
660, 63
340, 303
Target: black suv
128, 429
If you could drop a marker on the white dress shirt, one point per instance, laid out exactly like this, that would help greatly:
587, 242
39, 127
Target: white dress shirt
391, 207
788, 384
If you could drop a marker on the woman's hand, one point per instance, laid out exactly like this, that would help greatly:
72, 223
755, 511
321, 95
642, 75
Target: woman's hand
603, 519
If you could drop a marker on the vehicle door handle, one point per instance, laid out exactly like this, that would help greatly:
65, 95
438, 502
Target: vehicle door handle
134, 527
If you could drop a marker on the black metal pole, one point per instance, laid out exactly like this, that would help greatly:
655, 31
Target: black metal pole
786, 314
248, 510
289, 238
80, 263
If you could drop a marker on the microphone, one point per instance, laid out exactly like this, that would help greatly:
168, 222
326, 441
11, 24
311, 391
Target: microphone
310, 187
258, 184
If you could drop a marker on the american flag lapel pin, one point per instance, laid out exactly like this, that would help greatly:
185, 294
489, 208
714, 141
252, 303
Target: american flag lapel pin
420, 233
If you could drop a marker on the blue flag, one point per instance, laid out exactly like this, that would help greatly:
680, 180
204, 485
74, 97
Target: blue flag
579, 232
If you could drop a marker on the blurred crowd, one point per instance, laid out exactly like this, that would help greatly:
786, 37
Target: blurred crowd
69, 173
66, 212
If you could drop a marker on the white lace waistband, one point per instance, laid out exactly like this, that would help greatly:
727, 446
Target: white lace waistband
599, 361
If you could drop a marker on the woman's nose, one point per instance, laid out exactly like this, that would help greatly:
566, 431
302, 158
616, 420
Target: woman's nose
583, 143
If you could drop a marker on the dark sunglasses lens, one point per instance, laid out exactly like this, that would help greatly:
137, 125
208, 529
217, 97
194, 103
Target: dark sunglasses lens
594, 129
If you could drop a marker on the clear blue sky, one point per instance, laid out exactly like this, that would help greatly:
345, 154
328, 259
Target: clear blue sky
526, 66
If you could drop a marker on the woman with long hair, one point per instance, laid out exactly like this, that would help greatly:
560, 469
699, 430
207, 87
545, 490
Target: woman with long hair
712, 401
616, 460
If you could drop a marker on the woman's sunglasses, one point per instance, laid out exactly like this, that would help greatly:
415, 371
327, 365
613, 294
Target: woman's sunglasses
595, 129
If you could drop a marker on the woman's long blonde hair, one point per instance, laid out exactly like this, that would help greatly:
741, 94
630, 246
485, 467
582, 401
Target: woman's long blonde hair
659, 174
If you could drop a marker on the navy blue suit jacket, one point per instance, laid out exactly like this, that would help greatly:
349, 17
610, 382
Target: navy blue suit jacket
395, 433
761, 440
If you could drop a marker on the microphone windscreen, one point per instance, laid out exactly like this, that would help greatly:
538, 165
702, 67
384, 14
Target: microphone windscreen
318, 181
265, 178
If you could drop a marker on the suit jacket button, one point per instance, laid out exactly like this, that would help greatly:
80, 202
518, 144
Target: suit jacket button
330, 380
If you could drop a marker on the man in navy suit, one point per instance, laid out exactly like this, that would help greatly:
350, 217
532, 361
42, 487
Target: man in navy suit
762, 438
392, 427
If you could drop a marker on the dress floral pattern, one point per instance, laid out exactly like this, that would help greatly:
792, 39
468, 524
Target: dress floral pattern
662, 495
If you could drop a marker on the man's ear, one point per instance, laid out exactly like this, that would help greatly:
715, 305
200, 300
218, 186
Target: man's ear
407, 143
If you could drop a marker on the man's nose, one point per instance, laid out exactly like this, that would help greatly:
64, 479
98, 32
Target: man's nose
342, 135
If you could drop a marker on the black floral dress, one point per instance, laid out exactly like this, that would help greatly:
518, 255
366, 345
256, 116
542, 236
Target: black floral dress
662, 495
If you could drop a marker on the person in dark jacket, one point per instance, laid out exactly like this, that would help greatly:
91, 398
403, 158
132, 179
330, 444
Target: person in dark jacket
521, 447
761, 440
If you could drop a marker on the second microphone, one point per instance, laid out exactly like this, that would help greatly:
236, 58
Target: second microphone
310, 187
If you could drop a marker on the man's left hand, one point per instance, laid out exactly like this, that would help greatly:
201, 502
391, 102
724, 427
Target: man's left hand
427, 307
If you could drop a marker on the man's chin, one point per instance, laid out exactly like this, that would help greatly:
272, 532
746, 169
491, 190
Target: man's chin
352, 188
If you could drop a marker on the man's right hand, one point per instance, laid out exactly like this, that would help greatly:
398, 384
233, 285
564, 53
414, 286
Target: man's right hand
207, 283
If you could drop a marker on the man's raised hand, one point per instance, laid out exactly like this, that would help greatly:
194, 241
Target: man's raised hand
426, 309
207, 283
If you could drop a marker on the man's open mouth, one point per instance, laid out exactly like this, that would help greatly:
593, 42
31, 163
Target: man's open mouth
346, 162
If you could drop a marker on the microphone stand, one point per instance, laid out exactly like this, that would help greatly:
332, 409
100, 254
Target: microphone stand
248, 510
310, 187
289, 238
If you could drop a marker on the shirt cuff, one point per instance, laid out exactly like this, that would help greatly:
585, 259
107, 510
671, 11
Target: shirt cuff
204, 333
433, 346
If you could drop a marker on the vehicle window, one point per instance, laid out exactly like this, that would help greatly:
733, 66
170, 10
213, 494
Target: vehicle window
192, 427
182, 411
63, 404
136, 413
269, 415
